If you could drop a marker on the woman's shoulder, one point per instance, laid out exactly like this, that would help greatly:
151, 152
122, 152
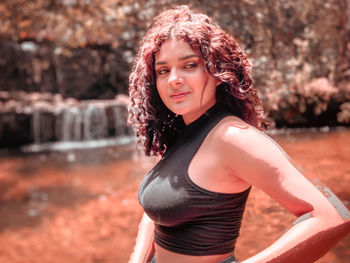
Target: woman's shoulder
250, 154
233, 135
234, 130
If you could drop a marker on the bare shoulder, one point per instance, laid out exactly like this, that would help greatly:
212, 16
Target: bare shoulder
233, 132
247, 151
260, 161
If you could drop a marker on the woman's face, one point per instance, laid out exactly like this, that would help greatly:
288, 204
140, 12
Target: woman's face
183, 82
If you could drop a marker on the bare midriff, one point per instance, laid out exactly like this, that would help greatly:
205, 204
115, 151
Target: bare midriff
166, 256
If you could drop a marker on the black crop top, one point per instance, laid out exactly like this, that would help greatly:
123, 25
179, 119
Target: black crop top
189, 219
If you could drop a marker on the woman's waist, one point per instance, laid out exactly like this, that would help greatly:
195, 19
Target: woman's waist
163, 255
196, 239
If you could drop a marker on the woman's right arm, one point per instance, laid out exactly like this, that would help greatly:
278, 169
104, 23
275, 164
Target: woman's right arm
144, 248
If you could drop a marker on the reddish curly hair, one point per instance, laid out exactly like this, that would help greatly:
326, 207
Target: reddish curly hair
155, 124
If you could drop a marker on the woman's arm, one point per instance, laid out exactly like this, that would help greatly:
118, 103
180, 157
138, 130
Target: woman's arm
258, 160
144, 248
305, 242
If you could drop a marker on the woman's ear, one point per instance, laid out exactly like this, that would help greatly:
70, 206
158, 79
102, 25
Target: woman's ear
217, 82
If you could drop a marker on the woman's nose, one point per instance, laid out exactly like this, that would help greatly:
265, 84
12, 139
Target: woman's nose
175, 80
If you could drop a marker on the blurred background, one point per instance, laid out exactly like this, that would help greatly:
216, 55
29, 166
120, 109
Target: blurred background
69, 165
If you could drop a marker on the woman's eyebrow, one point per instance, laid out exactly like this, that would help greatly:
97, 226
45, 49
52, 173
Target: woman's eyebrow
182, 58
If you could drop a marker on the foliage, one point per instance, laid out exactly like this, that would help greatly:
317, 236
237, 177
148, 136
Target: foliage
84, 48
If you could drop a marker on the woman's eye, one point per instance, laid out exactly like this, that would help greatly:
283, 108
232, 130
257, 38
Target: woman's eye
162, 71
191, 65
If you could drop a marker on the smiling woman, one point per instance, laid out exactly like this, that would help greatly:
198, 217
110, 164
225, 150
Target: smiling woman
183, 82
215, 52
193, 103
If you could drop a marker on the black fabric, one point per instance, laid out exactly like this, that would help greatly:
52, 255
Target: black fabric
189, 219
230, 259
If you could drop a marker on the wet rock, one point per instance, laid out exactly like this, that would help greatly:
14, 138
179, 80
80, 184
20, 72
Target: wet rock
94, 72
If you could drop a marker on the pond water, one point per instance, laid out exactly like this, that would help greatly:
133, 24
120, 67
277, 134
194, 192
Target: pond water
81, 205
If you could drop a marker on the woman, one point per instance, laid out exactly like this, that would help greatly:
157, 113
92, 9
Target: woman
193, 103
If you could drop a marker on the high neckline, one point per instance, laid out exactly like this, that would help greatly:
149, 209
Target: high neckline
200, 121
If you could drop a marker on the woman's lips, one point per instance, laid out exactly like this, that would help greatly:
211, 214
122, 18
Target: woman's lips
177, 96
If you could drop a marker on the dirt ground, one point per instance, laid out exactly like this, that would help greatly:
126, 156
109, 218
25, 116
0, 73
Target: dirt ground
81, 206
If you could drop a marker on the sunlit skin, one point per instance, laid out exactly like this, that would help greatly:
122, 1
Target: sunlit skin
182, 80
233, 156
225, 164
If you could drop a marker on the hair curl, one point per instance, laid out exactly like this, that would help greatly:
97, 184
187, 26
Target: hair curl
155, 124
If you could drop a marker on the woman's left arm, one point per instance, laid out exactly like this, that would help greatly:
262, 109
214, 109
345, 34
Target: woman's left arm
258, 160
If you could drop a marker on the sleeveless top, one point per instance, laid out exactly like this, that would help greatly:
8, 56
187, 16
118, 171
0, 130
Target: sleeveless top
189, 219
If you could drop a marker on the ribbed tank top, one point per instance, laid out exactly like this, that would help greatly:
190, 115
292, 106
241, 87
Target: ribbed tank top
189, 219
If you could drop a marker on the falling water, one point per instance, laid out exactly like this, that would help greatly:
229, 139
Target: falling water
36, 126
95, 122
70, 128
119, 125
103, 123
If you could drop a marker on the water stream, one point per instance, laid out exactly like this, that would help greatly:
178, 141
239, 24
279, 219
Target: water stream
79, 204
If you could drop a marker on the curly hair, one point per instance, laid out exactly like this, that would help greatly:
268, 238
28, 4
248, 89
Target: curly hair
156, 126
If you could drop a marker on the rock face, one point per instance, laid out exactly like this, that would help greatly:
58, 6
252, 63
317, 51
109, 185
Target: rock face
300, 51
84, 73
42, 117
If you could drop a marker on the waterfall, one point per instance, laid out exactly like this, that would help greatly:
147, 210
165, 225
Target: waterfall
95, 122
90, 121
119, 125
43, 118
89, 124
36, 126
69, 128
